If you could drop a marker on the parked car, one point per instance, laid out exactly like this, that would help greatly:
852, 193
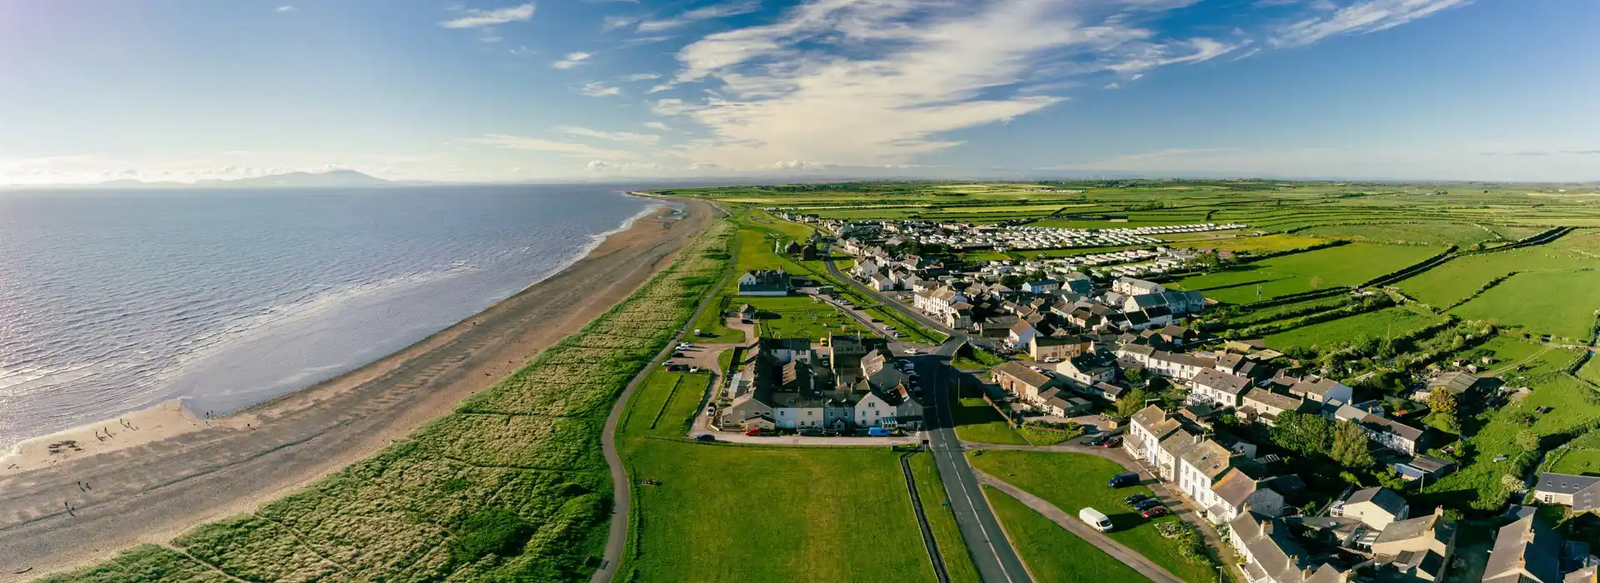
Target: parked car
913, 351
1096, 519
1147, 504
810, 433
1124, 479
711, 411
1112, 441
1154, 512
1135, 499
1096, 440
878, 432
753, 432
705, 437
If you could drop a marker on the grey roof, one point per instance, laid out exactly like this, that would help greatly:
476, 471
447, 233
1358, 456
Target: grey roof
1273, 399
1393, 427
1314, 386
1381, 497
1209, 457
1525, 550
1149, 416
1411, 528
1564, 483
1234, 487
1457, 382
1277, 554
1227, 383
1022, 373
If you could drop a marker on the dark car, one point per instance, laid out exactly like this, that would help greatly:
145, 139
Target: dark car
1122, 479
1154, 512
1096, 440
1146, 504
705, 437
1135, 499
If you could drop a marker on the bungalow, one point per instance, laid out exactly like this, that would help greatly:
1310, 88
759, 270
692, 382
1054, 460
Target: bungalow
1525, 551
1375, 507
880, 282
765, 282
1321, 390
1027, 384
1219, 388
1582, 493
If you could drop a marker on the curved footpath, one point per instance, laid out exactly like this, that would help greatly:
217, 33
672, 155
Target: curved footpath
153, 492
621, 488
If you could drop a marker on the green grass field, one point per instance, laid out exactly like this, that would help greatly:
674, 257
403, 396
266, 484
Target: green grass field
1350, 264
1263, 244
1563, 303
976, 421
1434, 234
1390, 322
800, 317
1458, 279
1051, 552
1591, 371
1075, 481
942, 520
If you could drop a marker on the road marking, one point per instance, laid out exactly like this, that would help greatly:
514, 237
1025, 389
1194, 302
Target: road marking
986, 538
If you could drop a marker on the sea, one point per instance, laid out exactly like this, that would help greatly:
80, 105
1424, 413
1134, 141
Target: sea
114, 301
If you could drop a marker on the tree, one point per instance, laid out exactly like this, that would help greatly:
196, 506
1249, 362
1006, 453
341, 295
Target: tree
1527, 440
1306, 435
1350, 446
1444, 406
1012, 281
1131, 403
1133, 375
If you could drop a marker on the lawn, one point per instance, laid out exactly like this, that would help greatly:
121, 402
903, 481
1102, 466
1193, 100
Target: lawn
713, 326
1563, 303
757, 513
977, 422
1052, 553
1387, 322
942, 520
1075, 481
1590, 371
1351, 264
801, 317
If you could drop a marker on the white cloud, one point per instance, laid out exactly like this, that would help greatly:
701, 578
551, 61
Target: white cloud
572, 60
598, 89
658, 126
659, 88
1362, 17
641, 76
628, 137
286, 8
476, 18
510, 142
610, 23
623, 167
705, 13
1150, 56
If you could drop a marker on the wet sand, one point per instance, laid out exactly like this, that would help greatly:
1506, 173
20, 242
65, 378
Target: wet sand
176, 470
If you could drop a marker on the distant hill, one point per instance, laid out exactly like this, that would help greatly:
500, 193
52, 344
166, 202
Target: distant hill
331, 178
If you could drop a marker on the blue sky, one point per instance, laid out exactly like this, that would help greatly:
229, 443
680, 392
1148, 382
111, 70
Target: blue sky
501, 90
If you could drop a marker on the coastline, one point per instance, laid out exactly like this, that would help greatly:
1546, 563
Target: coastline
171, 418
149, 485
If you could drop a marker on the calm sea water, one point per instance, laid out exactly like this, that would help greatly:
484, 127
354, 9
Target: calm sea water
115, 301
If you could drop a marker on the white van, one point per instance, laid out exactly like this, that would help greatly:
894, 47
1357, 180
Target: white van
1096, 519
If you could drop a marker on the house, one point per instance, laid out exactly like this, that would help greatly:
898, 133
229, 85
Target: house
1053, 348
1169, 451
1394, 435
864, 268
1183, 367
1088, 368
1457, 382
1375, 507
1236, 491
1321, 390
1021, 334
943, 303
1222, 389
1265, 406
747, 313
1041, 287
1077, 283
1020, 380
1133, 287
765, 282
1423, 467
1416, 549
880, 282
1199, 467
1525, 551
1582, 493
1057, 402
1270, 553
1104, 391
1146, 429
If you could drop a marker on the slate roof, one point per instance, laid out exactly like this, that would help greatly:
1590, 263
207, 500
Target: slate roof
1221, 381
1234, 487
1381, 497
1272, 399
1209, 458
1455, 382
1022, 373
1149, 416
1523, 548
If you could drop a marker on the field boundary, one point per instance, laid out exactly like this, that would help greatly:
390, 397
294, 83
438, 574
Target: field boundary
922, 518
666, 403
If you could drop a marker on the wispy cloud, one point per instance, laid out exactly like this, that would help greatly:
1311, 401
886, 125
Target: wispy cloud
641, 77
511, 142
628, 137
1361, 17
705, 13
615, 22
598, 89
656, 125
572, 60
286, 8
478, 18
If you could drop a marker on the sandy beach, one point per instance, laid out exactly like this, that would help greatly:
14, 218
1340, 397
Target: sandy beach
83, 494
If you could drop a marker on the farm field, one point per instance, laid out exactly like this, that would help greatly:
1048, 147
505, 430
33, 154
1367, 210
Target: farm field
1387, 322
1262, 244
510, 486
1559, 303
1051, 552
1350, 264
1458, 279
1590, 371
1534, 359
1433, 234
1074, 481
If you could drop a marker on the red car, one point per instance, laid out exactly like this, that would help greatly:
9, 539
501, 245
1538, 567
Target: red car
1112, 442
1154, 512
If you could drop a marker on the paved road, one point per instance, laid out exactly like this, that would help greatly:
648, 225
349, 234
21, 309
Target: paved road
991, 552
617, 538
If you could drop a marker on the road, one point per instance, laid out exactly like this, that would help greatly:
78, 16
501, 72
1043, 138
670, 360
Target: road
991, 552
621, 490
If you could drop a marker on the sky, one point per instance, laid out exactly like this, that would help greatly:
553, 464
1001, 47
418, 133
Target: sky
556, 90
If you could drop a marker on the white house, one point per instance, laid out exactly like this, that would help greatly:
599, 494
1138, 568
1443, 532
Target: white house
1218, 388
1236, 491
1200, 467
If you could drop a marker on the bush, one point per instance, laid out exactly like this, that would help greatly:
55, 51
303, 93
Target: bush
491, 531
